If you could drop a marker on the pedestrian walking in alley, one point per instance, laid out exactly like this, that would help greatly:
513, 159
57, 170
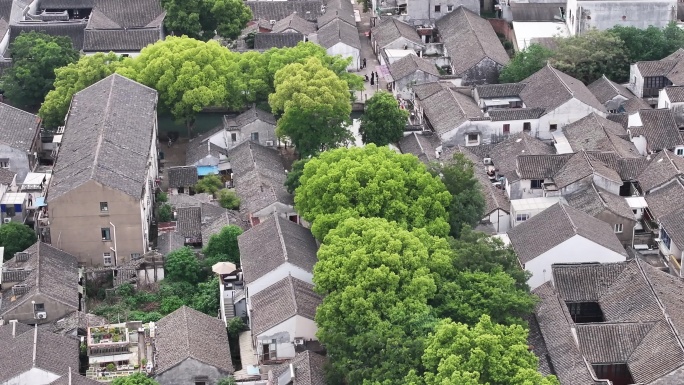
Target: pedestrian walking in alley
364, 63
372, 79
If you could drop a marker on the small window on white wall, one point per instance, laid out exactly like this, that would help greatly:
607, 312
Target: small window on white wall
472, 139
618, 227
679, 152
522, 217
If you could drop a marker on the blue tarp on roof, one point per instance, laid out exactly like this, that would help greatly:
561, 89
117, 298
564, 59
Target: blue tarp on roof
207, 170
40, 202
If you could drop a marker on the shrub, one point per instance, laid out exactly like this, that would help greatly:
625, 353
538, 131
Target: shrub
165, 213
228, 199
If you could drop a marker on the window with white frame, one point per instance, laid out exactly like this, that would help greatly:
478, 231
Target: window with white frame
618, 227
679, 151
107, 259
472, 139
106, 234
522, 217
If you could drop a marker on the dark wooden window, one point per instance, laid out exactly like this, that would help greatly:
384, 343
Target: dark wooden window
536, 183
553, 127
527, 127
618, 373
438, 8
585, 312
506, 128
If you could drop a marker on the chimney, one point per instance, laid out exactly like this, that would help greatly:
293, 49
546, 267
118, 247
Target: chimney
69, 375
292, 372
14, 327
35, 343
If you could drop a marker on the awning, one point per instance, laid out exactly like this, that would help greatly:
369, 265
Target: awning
40, 202
207, 170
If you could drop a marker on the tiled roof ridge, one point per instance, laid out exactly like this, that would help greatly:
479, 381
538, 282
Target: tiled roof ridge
553, 70
280, 235
184, 310
472, 29
672, 162
603, 201
451, 93
100, 137
612, 85
291, 283
565, 211
660, 304
415, 135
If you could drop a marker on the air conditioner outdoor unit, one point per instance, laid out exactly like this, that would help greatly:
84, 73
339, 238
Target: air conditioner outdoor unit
7, 220
269, 143
487, 161
273, 22
299, 341
41, 315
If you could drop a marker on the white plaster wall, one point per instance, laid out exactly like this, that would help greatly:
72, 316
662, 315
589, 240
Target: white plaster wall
276, 275
35, 376
220, 139
346, 51
636, 81
569, 112
640, 144
637, 13
500, 221
575, 250
663, 99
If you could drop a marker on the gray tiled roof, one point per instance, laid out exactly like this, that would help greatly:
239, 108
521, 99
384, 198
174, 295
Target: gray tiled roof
107, 138
75, 379
129, 14
391, 29
469, 39
124, 25
633, 105
183, 176
6, 176
582, 165
555, 326
277, 40
232, 122
447, 109
504, 154
170, 241
655, 68
515, 114
495, 198
277, 10
309, 369
621, 119
295, 22
338, 31
66, 4
54, 274
594, 201
549, 88
341, 10
661, 169
118, 40
556, 225
73, 321
540, 166
201, 152
18, 128
605, 89
71, 29
660, 129
187, 333
673, 223
641, 306
422, 145
596, 133
274, 242
675, 94
259, 176
281, 301
53, 353
189, 222
504, 90
409, 64
666, 199
216, 224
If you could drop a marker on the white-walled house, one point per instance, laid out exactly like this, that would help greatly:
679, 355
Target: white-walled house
584, 15
655, 130
282, 317
647, 78
524, 209
392, 33
409, 71
615, 97
273, 250
341, 38
562, 234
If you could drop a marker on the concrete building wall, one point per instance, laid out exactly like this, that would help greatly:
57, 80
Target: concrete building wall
575, 250
188, 371
569, 112
628, 224
602, 14
34, 376
346, 51
500, 221
276, 275
19, 161
284, 335
76, 223
265, 131
404, 86
423, 12
54, 309
636, 81
484, 72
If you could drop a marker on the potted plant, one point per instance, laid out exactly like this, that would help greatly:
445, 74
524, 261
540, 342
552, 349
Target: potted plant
144, 362
111, 367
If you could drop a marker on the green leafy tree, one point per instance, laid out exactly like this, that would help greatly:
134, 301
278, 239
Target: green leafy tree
209, 184
165, 213
674, 38
170, 304
182, 265
477, 251
189, 76
227, 381
467, 202
16, 237
203, 19
376, 283
383, 122
183, 17
371, 182
525, 63
591, 55
135, 379
230, 17
315, 106
223, 247
72, 78
486, 353
228, 199
642, 44
292, 180
35, 56
206, 298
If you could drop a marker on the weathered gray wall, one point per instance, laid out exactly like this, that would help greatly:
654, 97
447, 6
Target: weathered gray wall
485, 72
186, 372
18, 161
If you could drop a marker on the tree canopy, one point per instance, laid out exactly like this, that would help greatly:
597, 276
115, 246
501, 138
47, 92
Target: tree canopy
182, 265
591, 55
292, 180
486, 353
209, 184
371, 182
228, 199
315, 106
16, 237
71, 79
203, 19
35, 56
383, 122
467, 203
135, 379
525, 63
223, 247
376, 281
